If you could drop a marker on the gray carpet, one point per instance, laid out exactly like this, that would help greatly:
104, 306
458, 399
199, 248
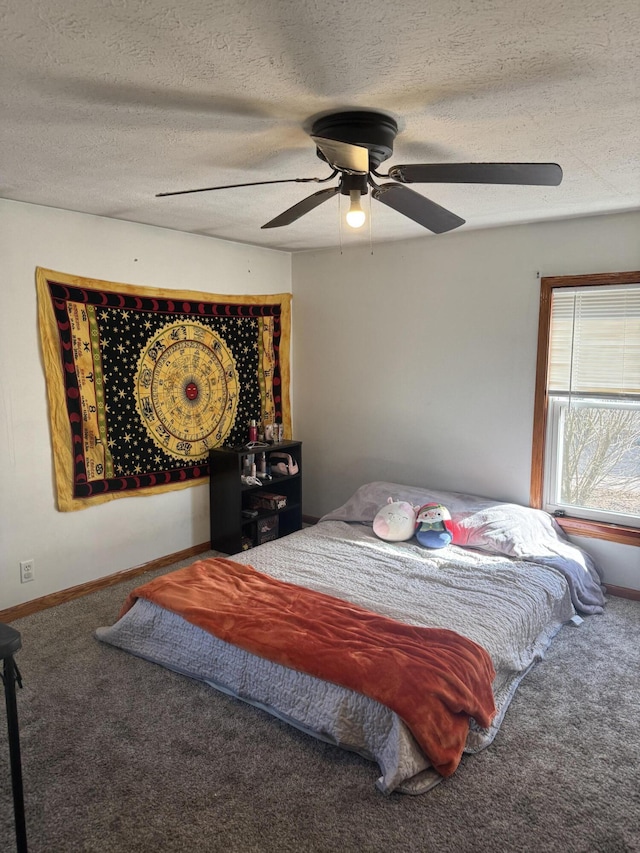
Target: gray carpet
122, 756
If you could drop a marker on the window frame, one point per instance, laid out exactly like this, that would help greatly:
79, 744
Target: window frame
571, 525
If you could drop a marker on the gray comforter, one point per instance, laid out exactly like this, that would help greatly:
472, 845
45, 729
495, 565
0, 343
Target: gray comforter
495, 527
511, 607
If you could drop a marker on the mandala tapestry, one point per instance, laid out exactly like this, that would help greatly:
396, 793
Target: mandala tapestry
143, 382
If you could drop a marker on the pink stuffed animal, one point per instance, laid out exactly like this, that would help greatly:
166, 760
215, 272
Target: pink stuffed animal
395, 521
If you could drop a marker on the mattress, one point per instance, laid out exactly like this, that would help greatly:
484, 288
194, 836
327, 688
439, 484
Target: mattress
511, 607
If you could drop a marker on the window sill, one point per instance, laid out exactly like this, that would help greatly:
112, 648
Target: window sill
599, 530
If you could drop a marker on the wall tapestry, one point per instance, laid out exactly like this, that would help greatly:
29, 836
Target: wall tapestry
142, 382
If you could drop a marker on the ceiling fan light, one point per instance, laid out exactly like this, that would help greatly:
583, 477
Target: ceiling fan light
355, 215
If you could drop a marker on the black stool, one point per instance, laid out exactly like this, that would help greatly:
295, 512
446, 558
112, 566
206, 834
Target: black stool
10, 643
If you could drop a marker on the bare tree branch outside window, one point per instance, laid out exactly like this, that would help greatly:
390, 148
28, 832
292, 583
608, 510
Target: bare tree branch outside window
601, 459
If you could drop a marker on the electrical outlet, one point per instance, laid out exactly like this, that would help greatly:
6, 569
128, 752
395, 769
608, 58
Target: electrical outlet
27, 572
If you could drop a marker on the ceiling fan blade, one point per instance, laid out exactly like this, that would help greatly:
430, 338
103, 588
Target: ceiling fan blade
531, 174
343, 155
305, 206
251, 184
422, 210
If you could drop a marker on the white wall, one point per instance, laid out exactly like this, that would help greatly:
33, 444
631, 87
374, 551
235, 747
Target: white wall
72, 548
417, 362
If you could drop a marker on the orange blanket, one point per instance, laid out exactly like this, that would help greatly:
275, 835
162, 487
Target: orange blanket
433, 678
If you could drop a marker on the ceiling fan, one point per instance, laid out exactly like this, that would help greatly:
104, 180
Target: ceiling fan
355, 142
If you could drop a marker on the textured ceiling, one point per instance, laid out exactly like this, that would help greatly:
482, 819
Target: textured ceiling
104, 103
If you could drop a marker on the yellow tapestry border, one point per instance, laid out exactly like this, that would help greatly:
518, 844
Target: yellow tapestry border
60, 433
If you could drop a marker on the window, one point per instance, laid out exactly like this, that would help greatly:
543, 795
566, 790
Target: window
586, 447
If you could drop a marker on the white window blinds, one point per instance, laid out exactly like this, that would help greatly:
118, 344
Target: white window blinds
594, 346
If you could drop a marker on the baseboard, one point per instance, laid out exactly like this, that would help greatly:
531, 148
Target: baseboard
310, 519
623, 592
37, 604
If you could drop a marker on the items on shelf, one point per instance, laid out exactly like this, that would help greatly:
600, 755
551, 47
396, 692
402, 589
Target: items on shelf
263, 472
267, 500
266, 529
273, 433
283, 464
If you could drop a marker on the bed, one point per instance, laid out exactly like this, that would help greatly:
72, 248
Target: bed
505, 586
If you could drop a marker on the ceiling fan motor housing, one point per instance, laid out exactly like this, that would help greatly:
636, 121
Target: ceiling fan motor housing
372, 130
353, 182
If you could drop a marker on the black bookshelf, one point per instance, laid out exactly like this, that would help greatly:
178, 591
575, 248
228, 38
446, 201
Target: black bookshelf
231, 530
